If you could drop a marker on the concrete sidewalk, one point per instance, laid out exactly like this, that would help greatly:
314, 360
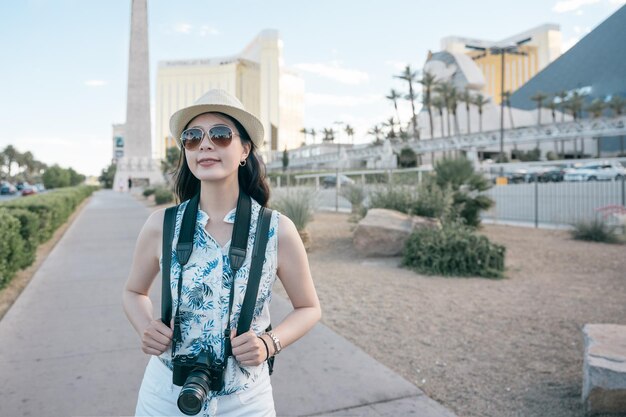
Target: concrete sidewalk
68, 350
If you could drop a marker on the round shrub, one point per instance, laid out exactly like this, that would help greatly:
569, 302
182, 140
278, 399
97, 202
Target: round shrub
29, 230
453, 250
148, 192
163, 196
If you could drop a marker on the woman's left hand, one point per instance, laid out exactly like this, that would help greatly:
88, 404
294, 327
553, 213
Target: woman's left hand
248, 349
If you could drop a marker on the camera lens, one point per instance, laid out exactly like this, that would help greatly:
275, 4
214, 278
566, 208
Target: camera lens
194, 392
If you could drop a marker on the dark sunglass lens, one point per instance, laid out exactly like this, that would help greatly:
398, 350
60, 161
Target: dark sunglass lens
191, 138
221, 135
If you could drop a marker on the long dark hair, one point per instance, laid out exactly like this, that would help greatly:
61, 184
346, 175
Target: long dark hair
252, 179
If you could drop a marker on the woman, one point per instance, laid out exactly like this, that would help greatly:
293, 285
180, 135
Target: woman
219, 140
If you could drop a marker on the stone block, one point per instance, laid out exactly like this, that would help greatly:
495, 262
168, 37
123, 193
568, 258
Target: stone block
384, 232
604, 370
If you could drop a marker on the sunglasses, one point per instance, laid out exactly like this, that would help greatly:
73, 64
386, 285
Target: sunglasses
220, 135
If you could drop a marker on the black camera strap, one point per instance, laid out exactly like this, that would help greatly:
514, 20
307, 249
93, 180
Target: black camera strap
237, 255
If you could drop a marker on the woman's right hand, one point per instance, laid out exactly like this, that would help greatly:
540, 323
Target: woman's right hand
156, 338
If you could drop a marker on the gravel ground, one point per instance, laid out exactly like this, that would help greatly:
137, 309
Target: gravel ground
510, 347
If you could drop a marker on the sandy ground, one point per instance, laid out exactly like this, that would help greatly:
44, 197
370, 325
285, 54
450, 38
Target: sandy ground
510, 347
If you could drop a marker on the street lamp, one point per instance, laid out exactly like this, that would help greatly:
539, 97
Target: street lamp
502, 50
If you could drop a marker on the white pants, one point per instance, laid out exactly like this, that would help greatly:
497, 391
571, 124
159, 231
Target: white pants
158, 396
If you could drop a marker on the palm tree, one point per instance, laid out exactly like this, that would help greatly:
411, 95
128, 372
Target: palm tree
453, 101
507, 102
376, 131
479, 102
304, 132
10, 155
329, 135
391, 124
539, 97
443, 89
394, 96
437, 102
411, 76
552, 105
428, 82
617, 104
466, 97
313, 134
575, 105
350, 132
596, 107
28, 161
562, 95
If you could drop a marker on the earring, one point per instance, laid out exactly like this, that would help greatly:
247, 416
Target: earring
243, 163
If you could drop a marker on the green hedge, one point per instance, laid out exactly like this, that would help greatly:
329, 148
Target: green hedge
11, 246
26, 222
453, 250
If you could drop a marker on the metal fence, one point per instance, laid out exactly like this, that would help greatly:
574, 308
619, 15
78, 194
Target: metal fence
538, 204
558, 203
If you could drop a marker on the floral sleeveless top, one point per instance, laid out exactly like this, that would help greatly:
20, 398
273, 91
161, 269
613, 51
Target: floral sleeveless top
206, 286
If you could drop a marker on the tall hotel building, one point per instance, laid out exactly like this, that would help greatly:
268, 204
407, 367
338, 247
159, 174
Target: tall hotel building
256, 76
543, 48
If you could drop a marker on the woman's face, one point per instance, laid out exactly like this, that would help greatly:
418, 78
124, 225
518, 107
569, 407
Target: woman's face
212, 163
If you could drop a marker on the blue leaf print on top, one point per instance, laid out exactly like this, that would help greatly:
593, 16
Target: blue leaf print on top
206, 285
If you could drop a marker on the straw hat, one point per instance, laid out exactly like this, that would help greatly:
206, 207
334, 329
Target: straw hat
223, 102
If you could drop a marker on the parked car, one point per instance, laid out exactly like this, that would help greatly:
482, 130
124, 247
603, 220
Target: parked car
331, 181
40, 187
6, 188
551, 174
606, 171
29, 190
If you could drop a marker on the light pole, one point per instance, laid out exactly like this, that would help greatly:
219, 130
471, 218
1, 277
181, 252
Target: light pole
501, 50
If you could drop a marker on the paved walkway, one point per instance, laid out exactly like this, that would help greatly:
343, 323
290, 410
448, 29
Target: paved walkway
67, 349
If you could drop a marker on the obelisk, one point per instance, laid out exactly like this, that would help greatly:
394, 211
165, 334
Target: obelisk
137, 162
138, 132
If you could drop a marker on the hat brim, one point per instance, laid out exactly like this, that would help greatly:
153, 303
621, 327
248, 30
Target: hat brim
253, 126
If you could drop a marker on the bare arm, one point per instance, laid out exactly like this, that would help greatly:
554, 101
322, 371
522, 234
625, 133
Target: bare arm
295, 275
155, 335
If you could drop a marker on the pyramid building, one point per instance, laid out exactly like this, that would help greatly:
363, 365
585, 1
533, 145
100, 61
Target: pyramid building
595, 67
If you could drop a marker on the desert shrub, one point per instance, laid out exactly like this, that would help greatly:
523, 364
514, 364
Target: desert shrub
466, 185
163, 196
453, 250
392, 198
148, 192
595, 230
433, 201
355, 194
298, 205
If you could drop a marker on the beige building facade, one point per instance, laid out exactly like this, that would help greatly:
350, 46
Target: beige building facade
543, 48
256, 76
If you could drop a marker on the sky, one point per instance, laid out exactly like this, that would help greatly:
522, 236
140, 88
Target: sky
63, 75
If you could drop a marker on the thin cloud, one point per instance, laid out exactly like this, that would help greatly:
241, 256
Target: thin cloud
314, 99
617, 2
568, 43
207, 30
95, 83
398, 65
334, 72
189, 29
183, 28
571, 5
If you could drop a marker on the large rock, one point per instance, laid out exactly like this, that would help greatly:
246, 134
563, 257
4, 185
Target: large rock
604, 369
384, 232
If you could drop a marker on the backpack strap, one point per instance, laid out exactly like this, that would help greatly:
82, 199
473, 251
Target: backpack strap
166, 260
256, 270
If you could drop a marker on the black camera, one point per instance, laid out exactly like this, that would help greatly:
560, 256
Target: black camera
197, 375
